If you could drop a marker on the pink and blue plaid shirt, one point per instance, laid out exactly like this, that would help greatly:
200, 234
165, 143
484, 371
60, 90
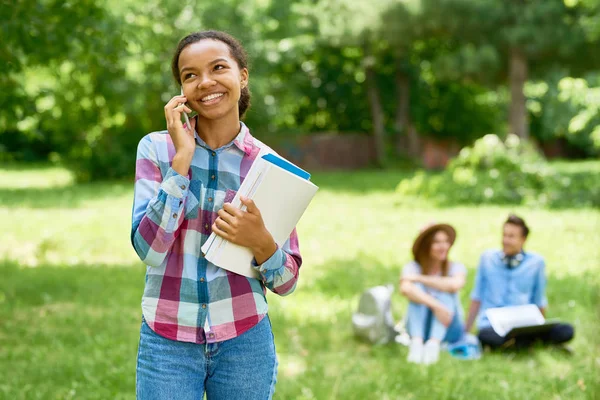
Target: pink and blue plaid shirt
187, 298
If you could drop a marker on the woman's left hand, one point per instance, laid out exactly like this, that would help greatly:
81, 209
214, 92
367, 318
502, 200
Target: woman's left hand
245, 228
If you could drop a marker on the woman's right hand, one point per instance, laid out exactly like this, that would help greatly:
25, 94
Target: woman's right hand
183, 139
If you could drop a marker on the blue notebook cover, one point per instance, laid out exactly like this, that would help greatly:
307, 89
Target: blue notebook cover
288, 166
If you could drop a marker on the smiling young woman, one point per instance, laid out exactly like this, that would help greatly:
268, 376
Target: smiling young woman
205, 329
431, 283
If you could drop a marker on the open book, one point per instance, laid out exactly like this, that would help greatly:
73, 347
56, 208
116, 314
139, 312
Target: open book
508, 321
282, 192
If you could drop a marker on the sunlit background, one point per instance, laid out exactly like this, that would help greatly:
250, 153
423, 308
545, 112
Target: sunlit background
405, 112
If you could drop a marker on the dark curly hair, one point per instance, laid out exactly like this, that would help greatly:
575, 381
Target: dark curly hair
237, 52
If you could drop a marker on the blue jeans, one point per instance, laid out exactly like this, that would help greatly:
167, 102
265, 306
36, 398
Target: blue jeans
244, 367
421, 322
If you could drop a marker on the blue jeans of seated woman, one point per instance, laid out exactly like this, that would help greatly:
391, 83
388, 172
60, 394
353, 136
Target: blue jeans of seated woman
244, 367
421, 322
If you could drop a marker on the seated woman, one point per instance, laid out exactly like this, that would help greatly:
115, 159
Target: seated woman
431, 284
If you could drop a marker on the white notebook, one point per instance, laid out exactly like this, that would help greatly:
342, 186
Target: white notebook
282, 192
505, 319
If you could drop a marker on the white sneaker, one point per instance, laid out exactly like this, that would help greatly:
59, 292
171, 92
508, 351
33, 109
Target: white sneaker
415, 351
431, 352
403, 339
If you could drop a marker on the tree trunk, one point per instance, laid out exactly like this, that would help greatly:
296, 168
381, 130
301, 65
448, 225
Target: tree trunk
407, 141
517, 117
376, 114
414, 141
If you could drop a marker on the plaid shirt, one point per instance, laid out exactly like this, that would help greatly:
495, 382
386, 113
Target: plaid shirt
187, 298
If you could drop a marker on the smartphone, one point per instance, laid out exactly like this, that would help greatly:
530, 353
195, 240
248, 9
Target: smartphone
187, 117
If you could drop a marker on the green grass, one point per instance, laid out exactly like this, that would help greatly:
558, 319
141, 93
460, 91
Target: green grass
71, 287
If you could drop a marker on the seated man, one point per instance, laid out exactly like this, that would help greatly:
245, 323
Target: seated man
511, 277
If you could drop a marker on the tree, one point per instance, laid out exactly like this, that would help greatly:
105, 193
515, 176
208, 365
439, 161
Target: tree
355, 24
529, 37
401, 28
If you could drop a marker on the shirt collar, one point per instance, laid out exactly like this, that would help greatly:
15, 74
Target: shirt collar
243, 141
514, 260
502, 255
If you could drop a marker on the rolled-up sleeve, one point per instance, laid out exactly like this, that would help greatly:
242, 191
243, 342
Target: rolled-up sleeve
158, 206
412, 268
539, 289
479, 285
280, 272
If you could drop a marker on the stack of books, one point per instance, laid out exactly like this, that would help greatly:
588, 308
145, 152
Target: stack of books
282, 192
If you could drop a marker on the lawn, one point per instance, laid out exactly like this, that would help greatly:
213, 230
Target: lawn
71, 288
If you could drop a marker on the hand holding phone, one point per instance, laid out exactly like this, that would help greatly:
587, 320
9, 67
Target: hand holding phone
185, 116
182, 136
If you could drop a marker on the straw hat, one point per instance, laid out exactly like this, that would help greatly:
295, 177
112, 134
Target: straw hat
429, 230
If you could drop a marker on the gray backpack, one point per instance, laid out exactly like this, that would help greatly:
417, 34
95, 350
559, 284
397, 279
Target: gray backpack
373, 320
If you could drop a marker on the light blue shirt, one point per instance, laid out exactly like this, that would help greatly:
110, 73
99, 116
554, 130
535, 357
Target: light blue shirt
497, 285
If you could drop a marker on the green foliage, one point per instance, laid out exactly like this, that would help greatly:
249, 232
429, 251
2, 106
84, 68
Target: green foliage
568, 108
83, 81
451, 110
493, 171
548, 32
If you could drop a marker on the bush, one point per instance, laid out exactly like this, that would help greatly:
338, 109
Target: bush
509, 172
568, 109
581, 189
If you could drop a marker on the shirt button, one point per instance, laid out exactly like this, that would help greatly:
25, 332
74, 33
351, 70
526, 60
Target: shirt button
203, 305
205, 226
174, 215
210, 199
214, 154
201, 279
211, 335
182, 187
212, 177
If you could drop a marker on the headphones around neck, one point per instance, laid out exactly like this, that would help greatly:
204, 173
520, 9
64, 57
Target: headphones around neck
513, 261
